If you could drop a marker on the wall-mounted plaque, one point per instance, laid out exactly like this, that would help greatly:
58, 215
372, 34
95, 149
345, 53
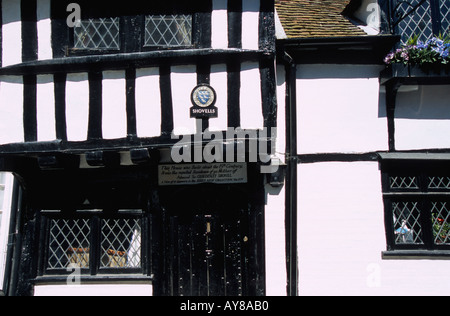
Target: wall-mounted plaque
188, 174
204, 98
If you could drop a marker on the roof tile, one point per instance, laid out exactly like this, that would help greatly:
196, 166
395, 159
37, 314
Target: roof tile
315, 18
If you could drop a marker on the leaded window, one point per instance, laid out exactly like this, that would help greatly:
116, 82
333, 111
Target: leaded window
445, 15
417, 205
93, 241
128, 34
414, 18
168, 30
422, 18
98, 34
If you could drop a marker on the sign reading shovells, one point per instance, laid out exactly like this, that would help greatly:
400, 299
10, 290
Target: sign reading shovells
204, 98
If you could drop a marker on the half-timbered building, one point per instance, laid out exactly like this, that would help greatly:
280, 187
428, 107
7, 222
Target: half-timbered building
222, 148
95, 102
368, 171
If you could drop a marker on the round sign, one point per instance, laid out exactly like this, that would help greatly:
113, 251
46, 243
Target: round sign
203, 96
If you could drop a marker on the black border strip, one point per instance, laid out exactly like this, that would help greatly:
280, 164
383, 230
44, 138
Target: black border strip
235, 23
29, 30
95, 105
234, 91
30, 108
267, 38
166, 100
60, 106
268, 92
60, 30
130, 75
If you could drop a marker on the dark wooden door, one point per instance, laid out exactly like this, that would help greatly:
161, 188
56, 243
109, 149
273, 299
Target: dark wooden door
207, 252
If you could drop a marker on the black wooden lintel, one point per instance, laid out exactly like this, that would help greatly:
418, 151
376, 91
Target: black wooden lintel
133, 60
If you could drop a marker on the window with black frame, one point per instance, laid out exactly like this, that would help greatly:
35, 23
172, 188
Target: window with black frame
422, 18
94, 241
417, 205
143, 27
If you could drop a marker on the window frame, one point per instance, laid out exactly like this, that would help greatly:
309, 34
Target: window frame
434, 10
424, 195
95, 218
132, 32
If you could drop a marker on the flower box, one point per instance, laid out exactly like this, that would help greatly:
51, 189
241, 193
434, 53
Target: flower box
416, 74
403, 71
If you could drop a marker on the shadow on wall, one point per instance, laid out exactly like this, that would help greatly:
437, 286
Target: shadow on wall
423, 103
419, 103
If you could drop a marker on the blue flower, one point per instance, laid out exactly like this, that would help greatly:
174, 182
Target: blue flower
422, 45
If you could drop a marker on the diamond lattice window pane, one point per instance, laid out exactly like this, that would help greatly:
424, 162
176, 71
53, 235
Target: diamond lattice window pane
100, 33
441, 222
399, 182
414, 18
445, 13
439, 183
168, 30
121, 243
69, 243
407, 225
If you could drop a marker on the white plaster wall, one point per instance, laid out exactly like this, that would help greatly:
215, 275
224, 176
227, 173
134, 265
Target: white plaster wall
118, 290
44, 29
219, 81
219, 24
11, 32
114, 121
184, 80
422, 118
250, 24
250, 97
45, 108
11, 110
148, 102
341, 236
276, 274
77, 106
338, 109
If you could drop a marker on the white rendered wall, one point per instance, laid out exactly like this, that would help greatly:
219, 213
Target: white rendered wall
11, 32
341, 236
184, 80
77, 106
422, 118
276, 274
250, 97
11, 110
118, 290
45, 108
148, 102
219, 80
44, 29
219, 24
114, 120
250, 24
338, 109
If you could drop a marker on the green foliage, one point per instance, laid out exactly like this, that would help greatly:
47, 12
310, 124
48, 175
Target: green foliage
435, 51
